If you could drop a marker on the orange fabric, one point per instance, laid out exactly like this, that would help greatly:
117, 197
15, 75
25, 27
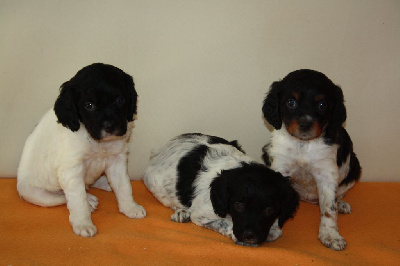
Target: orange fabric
42, 236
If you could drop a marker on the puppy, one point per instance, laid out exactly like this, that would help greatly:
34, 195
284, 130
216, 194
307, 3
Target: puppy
310, 145
84, 137
211, 182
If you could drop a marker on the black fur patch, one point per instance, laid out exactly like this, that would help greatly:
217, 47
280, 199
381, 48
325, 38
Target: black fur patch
218, 140
345, 146
354, 172
345, 149
188, 168
265, 155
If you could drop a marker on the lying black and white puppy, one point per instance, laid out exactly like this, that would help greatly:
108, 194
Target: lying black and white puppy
310, 145
84, 137
211, 182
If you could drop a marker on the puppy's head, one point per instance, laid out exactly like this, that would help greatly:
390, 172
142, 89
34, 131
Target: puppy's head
308, 103
101, 97
255, 197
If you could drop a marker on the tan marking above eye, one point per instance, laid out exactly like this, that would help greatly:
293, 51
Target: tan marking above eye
319, 98
296, 96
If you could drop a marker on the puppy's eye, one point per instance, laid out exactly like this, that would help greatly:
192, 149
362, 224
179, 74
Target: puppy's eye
291, 104
239, 206
89, 106
322, 105
268, 211
120, 101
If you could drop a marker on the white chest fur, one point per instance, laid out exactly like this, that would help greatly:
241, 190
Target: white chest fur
306, 162
100, 155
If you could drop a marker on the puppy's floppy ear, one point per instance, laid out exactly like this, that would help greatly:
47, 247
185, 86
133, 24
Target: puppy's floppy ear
65, 108
290, 202
271, 107
339, 115
219, 195
132, 97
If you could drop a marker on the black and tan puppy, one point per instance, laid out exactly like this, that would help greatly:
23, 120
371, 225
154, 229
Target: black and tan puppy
310, 145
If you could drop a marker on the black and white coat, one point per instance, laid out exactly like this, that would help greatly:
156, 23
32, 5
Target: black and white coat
83, 142
211, 182
310, 145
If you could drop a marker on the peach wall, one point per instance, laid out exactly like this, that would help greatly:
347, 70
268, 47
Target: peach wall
205, 66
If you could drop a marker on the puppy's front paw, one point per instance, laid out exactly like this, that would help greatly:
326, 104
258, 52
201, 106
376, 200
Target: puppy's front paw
136, 211
333, 241
85, 230
274, 234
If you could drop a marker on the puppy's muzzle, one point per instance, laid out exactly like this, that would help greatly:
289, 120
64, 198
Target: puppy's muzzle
109, 127
249, 237
305, 123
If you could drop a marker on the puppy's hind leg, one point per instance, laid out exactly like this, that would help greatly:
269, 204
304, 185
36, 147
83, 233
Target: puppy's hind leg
93, 202
343, 207
41, 197
44, 198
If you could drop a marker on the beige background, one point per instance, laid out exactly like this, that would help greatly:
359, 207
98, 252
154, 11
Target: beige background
205, 66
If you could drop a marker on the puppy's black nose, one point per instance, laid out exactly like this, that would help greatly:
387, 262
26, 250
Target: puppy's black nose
249, 237
109, 126
305, 122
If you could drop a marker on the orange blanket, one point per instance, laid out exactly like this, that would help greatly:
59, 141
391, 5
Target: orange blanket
42, 236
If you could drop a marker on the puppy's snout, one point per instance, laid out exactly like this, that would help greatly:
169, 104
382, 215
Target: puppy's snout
305, 122
249, 237
109, 126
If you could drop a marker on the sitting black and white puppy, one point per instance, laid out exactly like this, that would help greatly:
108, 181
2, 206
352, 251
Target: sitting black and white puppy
211, 182
310, 145
84, 137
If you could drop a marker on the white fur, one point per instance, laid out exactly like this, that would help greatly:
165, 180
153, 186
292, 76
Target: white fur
316, 177
57, 165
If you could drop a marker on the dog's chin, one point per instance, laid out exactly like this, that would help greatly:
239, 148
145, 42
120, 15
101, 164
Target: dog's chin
110, 138
247, 244
305, 135
252, 242
106, 136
